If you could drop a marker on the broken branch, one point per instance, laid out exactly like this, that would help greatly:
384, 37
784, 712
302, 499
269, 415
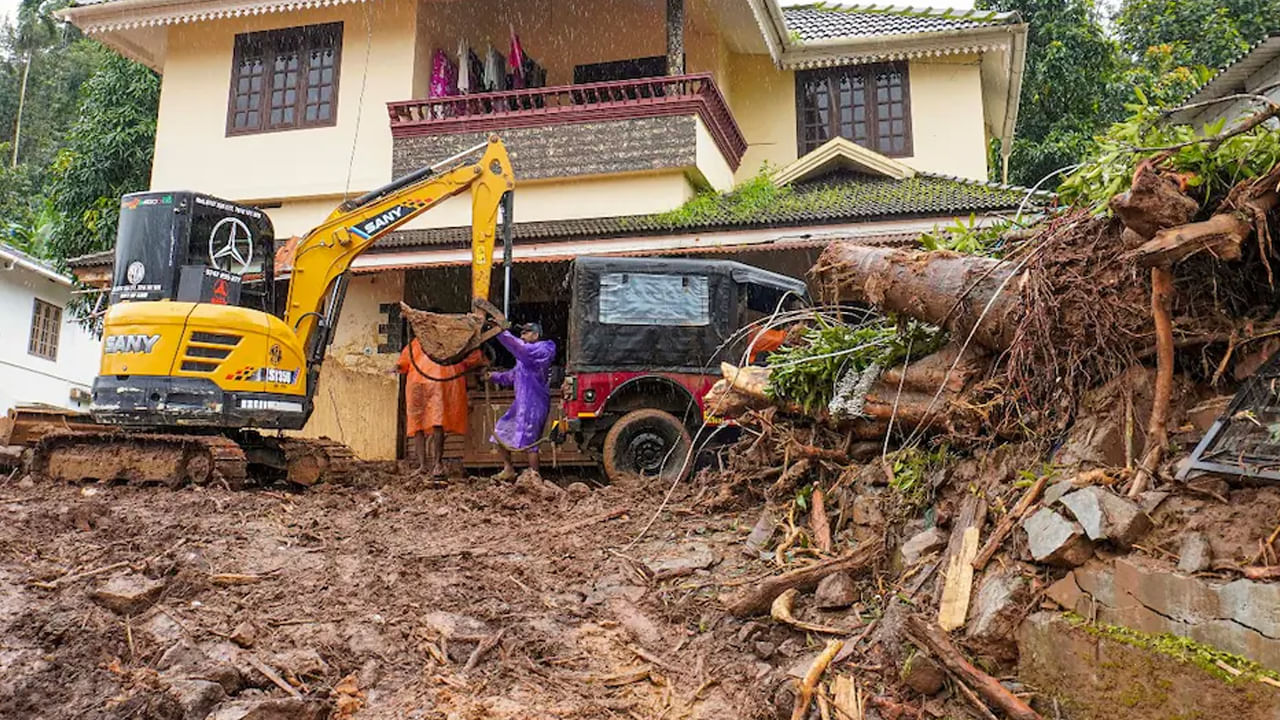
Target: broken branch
940, 646
810, 682
1008, 522
818, 521
782, 608
757, 600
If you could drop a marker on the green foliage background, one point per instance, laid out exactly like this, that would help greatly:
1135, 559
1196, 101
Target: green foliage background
87, 134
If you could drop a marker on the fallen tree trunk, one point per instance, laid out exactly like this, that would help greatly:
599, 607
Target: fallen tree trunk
759, 599
942, 288
1222, 235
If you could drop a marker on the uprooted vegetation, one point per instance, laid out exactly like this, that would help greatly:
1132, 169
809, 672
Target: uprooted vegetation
1051, 373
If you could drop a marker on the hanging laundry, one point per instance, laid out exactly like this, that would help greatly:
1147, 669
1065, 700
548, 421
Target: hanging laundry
464, 67
495, 76
515, 61
444, 75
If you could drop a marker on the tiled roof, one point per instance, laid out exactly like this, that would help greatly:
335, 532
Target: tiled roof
834, 199
1231, 78
827, 21
106, 257
29, 259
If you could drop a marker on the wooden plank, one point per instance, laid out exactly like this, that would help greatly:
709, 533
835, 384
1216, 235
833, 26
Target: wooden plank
957, 579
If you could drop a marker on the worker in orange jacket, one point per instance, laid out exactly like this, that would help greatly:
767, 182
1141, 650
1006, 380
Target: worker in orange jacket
435, 403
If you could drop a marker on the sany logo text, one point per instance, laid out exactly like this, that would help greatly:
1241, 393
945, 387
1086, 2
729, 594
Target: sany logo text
130, 343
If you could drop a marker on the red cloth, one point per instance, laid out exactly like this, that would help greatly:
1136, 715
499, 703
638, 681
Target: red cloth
435, 403
766, 341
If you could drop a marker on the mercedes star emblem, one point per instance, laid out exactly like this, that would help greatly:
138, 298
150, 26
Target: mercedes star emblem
231, 243
136, 272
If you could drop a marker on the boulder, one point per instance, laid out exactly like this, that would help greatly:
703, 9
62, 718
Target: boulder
923, 675
997, 610
1107, 516
1194, 553
923, 544
836, 591
274, 709
128, 594
1055, 540
196, 697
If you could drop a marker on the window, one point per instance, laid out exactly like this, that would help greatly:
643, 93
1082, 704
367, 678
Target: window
645, 299
285, 79
868, 104
46, 323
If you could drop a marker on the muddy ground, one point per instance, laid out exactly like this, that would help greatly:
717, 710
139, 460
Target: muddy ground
391, 581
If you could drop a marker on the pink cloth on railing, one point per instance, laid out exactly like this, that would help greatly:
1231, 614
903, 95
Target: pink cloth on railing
444, 75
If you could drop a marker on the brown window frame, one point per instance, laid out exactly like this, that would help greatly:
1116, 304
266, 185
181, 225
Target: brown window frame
46, 330
267, 44
868, 75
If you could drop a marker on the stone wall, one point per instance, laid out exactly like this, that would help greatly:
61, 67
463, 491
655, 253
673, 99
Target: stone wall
568, 150
1240, 617
1085, 676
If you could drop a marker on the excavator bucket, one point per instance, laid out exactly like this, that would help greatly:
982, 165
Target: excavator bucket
447, 338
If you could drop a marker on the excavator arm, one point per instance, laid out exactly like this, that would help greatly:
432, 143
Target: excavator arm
323, 257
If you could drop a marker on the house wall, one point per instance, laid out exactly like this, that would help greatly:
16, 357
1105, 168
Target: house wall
947, 121
25, 378
193, 150
357, 400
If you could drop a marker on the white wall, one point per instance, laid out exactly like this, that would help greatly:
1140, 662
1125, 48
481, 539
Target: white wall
25, 378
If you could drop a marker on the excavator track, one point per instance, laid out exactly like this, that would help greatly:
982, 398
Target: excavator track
309, 461
143, 458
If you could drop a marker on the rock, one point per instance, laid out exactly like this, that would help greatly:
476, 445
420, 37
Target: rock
997, 610
1054, 492
26, 483
836, 591
181, 656
1151, 499
196, 697
1194, 553
1105, 515
684, 559
762, 533
302, 662
226, 675
923, 675
923, 544
274, 709
1056, 540
163, 629
578, 490
764, 650
128, 594
245, 634
866, 511
749, 629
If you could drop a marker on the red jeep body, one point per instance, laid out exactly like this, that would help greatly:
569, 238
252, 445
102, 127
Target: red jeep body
646, 338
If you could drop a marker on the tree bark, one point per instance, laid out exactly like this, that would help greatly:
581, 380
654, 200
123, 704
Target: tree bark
819, 523
1158, 426
942, 288
1222, 235
22, 104
757, 600
940, 646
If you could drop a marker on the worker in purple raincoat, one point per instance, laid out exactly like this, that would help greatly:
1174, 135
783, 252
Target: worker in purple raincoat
520, 429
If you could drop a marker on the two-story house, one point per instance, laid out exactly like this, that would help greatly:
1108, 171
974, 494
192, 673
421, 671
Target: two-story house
874, 121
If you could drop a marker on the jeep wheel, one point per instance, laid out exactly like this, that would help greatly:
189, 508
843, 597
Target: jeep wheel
647, 443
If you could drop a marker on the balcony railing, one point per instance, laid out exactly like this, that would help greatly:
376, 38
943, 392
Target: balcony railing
539, 107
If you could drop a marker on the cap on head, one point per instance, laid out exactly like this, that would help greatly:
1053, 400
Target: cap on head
532, 327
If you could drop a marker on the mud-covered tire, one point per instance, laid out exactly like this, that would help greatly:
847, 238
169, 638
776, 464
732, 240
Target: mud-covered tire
646, 443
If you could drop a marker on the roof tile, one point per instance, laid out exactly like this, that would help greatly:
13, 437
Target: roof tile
827, 21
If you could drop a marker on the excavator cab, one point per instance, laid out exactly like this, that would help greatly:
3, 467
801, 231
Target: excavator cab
192, 247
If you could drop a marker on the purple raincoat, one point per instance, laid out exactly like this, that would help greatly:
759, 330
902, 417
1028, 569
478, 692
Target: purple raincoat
521, 427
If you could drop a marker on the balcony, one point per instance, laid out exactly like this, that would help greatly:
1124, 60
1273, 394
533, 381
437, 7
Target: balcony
656, 124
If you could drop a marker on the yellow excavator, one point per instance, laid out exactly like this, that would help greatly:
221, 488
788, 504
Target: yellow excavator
199, 355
